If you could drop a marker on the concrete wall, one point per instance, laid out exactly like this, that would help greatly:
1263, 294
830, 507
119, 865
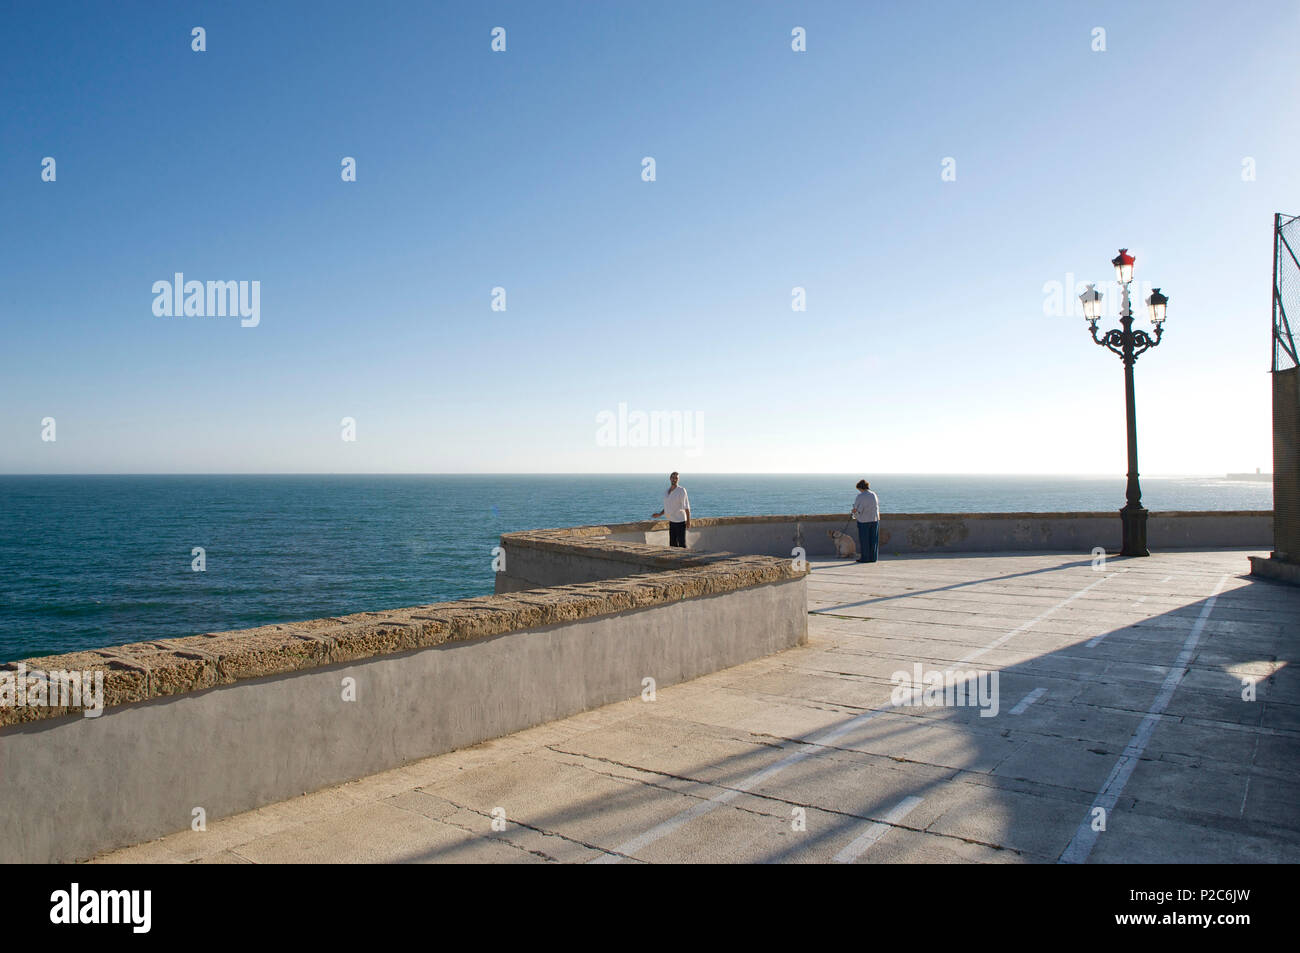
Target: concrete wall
1286, 464
529, 568
967, 532
73, 786
1209, 530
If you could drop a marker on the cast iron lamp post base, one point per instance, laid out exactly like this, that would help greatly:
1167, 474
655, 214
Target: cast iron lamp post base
1134, 521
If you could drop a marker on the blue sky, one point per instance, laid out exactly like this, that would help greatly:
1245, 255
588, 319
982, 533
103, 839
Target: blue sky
925, 346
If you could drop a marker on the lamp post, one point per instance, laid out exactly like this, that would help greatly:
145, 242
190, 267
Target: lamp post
1128, 344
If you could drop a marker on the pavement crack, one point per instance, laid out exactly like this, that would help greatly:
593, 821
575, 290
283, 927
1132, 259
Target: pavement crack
494, 835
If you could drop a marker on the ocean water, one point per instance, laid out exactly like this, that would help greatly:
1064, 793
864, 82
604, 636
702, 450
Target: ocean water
88, 561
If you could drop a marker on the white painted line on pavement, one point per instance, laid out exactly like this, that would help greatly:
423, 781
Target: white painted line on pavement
805, 749
1085, 838
1028, 700
876, 831
1034, 621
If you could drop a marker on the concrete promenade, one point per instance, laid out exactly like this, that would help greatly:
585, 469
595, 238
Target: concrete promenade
1120, 696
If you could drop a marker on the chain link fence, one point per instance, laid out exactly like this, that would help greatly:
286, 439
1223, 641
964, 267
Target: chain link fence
1286, 289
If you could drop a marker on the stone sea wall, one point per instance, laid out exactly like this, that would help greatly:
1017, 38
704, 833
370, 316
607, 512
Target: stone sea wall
230, 721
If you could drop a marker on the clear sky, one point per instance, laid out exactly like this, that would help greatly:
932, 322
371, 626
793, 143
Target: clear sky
927, 344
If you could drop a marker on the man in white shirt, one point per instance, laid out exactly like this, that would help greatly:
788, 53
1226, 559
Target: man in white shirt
677, 507
866, 510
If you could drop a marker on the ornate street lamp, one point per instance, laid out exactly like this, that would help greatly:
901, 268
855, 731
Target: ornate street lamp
1128, 344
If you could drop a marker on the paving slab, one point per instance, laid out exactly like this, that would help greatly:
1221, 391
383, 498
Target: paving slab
1130, 676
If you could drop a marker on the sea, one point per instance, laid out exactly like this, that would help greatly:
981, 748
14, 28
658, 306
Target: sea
90, 561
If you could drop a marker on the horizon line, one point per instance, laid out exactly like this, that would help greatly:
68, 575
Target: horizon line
616, 473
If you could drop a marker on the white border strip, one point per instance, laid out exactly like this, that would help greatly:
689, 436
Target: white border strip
1028, 700
876, 831
1085, 838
